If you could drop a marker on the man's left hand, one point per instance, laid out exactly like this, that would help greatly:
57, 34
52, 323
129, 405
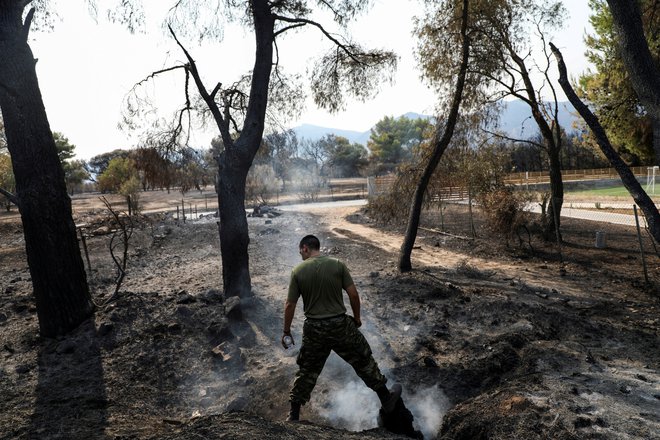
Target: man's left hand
358, 322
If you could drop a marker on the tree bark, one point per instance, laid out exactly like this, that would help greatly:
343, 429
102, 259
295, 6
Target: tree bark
235, 163
56, 267
233, 229
644, 72
440, 145
551, 231
627, 177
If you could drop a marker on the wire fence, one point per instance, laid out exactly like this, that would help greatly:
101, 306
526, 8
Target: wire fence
601, 232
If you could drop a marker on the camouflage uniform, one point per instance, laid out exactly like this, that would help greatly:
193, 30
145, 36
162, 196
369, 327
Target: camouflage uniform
341, 335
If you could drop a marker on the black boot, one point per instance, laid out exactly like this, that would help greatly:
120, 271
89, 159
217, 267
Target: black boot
294, 412
388, 398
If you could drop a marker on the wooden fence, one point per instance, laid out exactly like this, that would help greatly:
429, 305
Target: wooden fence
380, 184
532, 177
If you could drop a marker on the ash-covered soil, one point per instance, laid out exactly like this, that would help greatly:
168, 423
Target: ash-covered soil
489, 341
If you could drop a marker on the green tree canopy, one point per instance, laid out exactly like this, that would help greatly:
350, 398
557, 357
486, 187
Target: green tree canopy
608, 87
65, 149
75, 171
281, 146
7, 181
343, 158
98, 164
119, 171
393, 140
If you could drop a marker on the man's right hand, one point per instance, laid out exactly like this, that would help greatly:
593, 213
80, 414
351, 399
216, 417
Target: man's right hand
358, 322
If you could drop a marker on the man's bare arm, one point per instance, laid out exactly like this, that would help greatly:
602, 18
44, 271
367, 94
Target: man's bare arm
289, 312
354, 299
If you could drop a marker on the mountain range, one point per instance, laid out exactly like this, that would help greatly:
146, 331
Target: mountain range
515, 121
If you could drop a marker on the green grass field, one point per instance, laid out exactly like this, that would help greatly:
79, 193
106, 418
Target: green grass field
617, 191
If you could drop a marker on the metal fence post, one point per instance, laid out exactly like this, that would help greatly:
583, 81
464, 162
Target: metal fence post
641, 247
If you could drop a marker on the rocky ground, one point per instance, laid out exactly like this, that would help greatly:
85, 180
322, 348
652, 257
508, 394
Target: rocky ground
488, 340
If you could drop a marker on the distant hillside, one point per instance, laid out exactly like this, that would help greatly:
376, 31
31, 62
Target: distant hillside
316, 132
516, 121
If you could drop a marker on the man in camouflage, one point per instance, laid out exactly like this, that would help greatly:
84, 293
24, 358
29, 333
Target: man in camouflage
319, 280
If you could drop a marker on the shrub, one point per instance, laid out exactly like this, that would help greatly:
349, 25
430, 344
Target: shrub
504, 209
261, 184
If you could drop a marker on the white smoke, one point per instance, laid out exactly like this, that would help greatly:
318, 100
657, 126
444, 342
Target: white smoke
355, 407
428, 406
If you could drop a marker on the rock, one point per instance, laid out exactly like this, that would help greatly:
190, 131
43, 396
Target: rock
213, 296
238, 404
374, 274
233, 307
3, 317
103, 230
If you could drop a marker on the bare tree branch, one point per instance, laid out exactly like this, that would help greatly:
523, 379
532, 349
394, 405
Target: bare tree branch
28, 22
12, 197
152, 75
328, 35
215, 91
126, 227
507, 138
288, 28
208, 99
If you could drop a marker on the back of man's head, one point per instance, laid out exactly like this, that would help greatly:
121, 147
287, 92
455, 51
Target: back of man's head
311, 242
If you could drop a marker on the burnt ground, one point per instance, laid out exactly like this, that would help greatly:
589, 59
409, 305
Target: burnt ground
489, 339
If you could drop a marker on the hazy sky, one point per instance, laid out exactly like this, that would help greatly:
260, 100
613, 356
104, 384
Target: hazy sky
87, 67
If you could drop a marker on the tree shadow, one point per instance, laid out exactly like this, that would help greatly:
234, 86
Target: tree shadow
71, 401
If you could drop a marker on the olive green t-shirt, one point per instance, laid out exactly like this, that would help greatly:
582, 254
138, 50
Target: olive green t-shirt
320, 280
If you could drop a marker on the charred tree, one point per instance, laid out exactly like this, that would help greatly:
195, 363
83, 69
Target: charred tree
56, 266
627, 177
235, 161
240, 110
642, 68
440, 144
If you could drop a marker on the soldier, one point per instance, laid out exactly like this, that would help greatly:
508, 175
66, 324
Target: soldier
319, 280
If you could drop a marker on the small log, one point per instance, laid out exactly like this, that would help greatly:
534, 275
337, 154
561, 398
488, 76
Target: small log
446, 233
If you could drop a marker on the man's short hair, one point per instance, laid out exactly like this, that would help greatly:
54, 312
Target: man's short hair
311, 242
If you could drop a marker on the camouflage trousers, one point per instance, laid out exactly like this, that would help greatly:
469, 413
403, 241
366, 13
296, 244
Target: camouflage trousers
340, 335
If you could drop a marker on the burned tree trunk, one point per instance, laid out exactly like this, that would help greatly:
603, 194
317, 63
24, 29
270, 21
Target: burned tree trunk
234, 237
441, 142
56, 267
627, 177
551, 231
